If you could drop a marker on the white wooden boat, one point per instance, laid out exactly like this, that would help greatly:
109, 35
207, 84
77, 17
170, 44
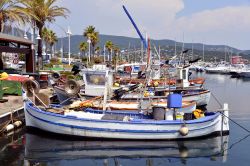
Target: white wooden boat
43, 148
187, 106
219, 69
200, 96
95, 125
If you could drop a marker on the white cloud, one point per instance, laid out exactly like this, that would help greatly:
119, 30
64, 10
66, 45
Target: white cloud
228, 25
218, 19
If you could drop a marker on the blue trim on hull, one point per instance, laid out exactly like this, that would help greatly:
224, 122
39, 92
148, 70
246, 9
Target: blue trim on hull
113, 130
137, 121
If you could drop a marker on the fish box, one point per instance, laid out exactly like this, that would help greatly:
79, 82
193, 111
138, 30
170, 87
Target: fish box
174, 101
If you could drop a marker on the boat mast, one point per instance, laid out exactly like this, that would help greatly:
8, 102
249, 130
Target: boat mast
142, 52
203, 53
175, 47
159, 53
225, 53
192, 50
128, 52
104, 52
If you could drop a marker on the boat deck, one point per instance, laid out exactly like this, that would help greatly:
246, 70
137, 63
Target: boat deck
14, 106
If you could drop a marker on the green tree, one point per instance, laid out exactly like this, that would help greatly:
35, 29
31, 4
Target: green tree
40, 12
117, 51
52, 39
109, 46
45, 37
9, 12
83, 46
97, 50
91, 33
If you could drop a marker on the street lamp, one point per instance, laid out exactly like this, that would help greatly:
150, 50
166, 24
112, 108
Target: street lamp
89, 41
69, 33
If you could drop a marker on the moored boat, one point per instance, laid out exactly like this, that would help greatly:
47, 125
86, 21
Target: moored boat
124, 126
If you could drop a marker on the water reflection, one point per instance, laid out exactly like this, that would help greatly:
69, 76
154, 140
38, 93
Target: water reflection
49, 149
11, 148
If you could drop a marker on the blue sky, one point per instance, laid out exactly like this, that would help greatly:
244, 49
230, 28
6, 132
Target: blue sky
209, 21
193, 6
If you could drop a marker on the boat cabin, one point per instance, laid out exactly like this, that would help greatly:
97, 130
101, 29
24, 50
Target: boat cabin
94, 81
182, 77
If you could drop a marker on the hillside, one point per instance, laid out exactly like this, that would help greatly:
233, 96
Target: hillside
167, 46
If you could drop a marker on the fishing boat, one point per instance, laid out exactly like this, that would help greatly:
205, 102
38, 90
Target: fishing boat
60, 120
219, 69
49, 148
95, 84
200, 96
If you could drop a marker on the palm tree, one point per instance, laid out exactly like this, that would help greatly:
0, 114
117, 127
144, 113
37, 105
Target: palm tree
89, 30
109, 45
116, 53
9, 13
45, 37
93, 35
40, 12
117, 50
52, 40
97, 50
83, 47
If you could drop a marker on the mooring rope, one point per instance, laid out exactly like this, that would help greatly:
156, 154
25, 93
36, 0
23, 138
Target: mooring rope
227, 116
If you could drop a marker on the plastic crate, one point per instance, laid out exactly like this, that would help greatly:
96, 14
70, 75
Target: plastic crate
174, 101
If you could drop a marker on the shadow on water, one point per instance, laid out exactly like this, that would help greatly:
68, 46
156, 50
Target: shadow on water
37, 147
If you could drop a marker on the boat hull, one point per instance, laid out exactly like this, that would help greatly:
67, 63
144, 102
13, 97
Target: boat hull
201, 98
134, 129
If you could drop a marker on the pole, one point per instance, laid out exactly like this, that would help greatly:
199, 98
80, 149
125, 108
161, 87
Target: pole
203, 52
69, 50
141, 52
192, 50
225, 54
175, 50
104, 50
62, 48
89, 52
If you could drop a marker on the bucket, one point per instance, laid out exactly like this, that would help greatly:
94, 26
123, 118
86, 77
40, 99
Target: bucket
169, 114
43, 77
159, 113
179, 116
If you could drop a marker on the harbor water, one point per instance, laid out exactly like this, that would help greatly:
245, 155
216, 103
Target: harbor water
28, 148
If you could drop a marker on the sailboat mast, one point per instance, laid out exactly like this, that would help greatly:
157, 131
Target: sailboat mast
192, 50
203, 54
128, 52
175, 48
142, 52
225, 53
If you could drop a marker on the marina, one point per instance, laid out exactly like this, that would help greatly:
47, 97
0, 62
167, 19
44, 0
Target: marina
77, 150
100, 99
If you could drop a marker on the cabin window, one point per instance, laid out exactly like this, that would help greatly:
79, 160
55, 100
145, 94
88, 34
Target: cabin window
184, 74
95, 79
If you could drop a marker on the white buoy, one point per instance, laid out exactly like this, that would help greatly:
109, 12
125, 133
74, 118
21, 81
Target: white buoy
9, 128
183, 152
184, 130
